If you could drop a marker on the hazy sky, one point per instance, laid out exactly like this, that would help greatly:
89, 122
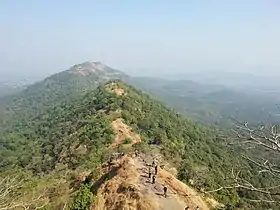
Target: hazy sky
40, 37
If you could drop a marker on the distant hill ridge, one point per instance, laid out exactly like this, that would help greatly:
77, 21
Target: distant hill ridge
211, 104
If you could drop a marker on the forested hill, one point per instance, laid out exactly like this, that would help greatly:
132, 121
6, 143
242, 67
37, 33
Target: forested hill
51, 149
55, 90
209, 104
213, 104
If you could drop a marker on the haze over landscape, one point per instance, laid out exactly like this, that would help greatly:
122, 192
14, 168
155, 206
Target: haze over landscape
139, 105
40, 38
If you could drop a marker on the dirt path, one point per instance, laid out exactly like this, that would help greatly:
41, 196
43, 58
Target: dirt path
156, 191
178, 195
127, 186
123, 131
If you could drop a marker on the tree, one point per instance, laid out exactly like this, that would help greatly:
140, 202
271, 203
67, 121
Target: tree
83, 199
262, 152
10, 196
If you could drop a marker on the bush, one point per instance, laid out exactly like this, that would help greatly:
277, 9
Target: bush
127, 141
141, 147
83, 199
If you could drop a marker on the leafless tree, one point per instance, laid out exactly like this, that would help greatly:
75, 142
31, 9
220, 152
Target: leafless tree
10, 198
264, 142
264, 137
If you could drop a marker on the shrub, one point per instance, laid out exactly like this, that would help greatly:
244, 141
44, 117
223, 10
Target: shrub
127, 141
83, 199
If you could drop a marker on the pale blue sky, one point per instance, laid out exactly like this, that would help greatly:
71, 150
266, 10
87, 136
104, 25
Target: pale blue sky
40, 37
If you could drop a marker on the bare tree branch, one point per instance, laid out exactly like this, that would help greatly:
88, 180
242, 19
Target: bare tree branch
264, 201
244, 184
10, 198
266, 159
267, 137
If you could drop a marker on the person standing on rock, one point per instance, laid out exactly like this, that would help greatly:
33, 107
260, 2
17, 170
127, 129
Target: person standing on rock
165, 191
150, 172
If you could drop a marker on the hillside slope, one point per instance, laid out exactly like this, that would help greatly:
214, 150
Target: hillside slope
7, 89
57, 150
58, 89
213, 104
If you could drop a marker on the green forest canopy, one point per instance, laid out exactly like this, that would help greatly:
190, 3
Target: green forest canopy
75, 137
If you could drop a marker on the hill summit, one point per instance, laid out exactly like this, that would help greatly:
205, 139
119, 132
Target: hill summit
60, 88
88, 67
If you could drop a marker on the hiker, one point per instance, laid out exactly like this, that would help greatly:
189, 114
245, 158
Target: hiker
156, 169
150, 172
153, 179
136, 153
165, 191
154, 162
187, 208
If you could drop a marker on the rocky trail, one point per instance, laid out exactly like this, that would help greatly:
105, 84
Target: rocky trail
178, 194
126, 184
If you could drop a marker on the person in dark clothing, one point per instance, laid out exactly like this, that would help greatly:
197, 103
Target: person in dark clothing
154, 162
153, 179
156, 169
165, 191
150, 174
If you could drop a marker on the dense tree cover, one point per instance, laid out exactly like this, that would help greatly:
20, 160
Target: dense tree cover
72, 137
205, 103
75, 137
83, 199
59, 89
202, 155
63, 135
213, 104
